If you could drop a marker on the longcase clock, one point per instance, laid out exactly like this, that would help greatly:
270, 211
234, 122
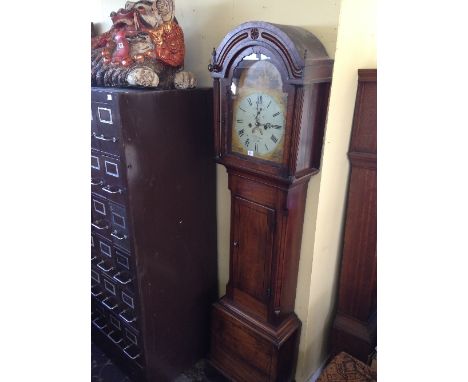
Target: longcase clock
271, 89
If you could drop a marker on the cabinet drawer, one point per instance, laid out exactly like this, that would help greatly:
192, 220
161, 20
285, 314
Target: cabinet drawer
119, 226
100, 320
133, 352
131, 343
104, 248
110, 287
95, 143
128, 316
115, 322
111, 295
105, 257
95, 276
94, 250
125, 272
113, 177
131, 335
105, 129
123, 261
106, 267
124, 279
97, 310
109, 144
100, 215
96, 283
116, 334
128, 299
97, 174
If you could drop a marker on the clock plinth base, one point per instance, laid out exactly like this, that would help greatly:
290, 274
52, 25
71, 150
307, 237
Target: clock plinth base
354, 336
244, 349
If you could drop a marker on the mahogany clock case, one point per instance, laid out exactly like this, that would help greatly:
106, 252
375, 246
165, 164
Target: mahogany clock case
154, 258
255, 332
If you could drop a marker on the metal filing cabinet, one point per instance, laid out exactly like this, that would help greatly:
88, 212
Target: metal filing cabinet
153, 228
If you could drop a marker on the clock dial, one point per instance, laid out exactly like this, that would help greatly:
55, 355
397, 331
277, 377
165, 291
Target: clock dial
259, 125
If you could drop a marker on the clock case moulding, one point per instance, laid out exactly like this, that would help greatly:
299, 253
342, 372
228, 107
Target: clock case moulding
306, 71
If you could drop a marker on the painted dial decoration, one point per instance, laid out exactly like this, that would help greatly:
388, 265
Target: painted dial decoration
259, 124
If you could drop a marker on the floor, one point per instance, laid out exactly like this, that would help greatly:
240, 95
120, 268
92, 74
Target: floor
104, 370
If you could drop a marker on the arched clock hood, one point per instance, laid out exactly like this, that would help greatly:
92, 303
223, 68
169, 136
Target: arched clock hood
302, 53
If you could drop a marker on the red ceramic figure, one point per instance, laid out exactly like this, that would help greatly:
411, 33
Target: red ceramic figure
144, 47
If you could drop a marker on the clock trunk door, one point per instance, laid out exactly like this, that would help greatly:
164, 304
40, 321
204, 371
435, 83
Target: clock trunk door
253, 235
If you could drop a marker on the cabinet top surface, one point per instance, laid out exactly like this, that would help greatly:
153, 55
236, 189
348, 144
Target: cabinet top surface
141, 90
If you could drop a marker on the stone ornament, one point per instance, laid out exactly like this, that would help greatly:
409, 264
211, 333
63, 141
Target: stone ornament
143, 48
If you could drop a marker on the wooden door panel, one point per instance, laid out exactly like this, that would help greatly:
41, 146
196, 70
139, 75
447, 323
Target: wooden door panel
253, 245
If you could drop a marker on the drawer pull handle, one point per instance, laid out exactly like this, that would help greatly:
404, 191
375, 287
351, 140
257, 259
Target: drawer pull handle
111, 191
117, 236
128, 321
96, 294
104, 302
103, 138
123, 282
96, 182
97, 325
129, 355
112, 338
102, 268
99, 225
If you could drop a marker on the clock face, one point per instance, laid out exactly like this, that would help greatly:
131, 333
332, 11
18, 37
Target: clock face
259, 124
258, 127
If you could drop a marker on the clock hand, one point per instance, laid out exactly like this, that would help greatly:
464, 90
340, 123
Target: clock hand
269, 125
257, 123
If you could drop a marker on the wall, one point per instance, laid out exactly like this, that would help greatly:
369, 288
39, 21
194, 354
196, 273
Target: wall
205, 23
355, 49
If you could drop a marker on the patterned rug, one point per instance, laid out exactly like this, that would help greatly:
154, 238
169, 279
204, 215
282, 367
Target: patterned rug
347, 368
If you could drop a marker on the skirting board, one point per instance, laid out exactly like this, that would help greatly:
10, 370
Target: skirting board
317, 372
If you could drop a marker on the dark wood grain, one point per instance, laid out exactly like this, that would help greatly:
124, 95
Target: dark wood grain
355, 325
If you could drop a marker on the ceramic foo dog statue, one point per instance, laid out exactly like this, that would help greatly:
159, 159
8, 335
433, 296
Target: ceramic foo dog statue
144, 48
